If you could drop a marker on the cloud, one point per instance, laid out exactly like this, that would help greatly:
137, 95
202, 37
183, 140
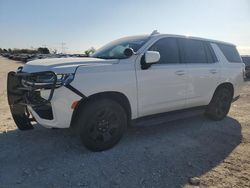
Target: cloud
244, 50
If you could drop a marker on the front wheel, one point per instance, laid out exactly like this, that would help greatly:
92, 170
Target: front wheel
101, 124
220, 104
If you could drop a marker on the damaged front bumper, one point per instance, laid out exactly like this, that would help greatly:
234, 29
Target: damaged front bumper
23, 88
30, 99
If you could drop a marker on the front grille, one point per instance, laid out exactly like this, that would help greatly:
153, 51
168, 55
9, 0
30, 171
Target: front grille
20, 95
34, 98
32, 83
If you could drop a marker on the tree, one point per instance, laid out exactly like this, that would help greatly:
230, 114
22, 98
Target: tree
43, 50
23, 51
54, 51
89, 51
9, 50
1, 50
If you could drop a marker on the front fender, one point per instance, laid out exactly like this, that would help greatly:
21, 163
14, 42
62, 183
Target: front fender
115, 78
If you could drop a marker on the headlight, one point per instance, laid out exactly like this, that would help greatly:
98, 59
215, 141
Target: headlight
65, 79
47, 80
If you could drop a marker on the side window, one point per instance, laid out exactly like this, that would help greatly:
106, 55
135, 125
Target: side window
168, 49
211, 57
230, 53
193, 51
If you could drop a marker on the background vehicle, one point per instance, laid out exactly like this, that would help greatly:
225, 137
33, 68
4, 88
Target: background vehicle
127, 79
246, 61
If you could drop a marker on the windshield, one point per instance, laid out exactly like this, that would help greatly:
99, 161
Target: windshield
115, 49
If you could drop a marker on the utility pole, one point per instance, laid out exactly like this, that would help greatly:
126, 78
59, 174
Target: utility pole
63, 47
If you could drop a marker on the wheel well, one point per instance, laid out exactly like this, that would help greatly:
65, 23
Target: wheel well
227, 85
118, 97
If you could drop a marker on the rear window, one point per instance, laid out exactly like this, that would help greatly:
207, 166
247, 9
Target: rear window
230, 53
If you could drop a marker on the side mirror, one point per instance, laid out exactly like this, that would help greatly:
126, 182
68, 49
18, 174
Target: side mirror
149, 58
128, 52
152, 57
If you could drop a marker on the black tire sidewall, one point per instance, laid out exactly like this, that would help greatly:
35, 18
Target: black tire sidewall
213, 104
88, 112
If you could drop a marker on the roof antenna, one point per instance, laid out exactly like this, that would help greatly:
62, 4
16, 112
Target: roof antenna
154, 33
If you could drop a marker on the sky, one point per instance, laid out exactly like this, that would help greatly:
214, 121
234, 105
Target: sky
81, 24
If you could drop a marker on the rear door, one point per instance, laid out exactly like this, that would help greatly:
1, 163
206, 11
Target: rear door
203, 71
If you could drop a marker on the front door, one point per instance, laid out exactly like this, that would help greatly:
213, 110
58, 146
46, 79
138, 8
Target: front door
162, 87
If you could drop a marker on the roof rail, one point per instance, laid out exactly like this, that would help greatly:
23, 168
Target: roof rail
155, 32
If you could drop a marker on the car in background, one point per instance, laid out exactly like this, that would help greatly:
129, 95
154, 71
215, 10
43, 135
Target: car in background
23, 57
246, 60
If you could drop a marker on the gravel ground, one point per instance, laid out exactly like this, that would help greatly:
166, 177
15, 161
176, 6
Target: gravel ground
164, 155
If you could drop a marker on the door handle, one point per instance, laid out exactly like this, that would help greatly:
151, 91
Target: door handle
180, 72
213, 71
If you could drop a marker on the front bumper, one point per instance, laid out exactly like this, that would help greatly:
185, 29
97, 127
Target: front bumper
48, 103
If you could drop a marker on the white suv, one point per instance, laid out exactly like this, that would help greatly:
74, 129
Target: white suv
127, 79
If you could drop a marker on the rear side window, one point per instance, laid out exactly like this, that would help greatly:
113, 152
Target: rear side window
211, 57
193, 51
168, 49
230, 52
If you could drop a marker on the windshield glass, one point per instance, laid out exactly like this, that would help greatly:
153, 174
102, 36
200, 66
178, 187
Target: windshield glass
115, 49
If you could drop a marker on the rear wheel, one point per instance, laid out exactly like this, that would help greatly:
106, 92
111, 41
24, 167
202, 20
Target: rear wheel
101, 124
220, 104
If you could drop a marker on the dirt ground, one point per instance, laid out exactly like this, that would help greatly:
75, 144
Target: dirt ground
165, 155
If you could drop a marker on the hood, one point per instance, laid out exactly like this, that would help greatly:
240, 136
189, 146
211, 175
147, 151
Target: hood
64, 65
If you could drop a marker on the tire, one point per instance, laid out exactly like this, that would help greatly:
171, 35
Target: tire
220, 104
101, 124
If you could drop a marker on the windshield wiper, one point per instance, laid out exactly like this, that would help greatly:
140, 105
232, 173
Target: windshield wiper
103, 57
